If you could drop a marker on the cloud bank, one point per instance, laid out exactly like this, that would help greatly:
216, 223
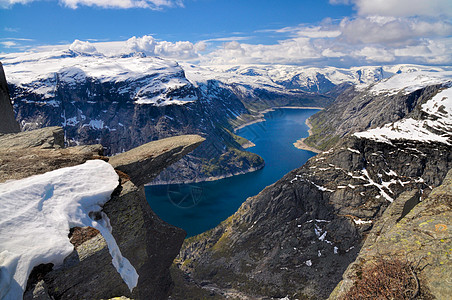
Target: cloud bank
400, 8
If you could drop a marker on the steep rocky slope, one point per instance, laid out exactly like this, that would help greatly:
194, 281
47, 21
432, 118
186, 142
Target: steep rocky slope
298, 236
416, 233
364, 107
146, 241
8, 123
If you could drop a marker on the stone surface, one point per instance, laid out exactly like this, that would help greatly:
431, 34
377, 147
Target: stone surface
44, 138
422, 237
145, 162
8, 123
39, 151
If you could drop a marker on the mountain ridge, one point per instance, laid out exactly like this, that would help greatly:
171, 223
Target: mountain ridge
123, 101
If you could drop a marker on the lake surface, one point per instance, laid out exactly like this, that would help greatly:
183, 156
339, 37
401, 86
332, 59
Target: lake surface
198, 207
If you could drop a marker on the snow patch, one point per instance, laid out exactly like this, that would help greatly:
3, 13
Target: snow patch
435, 127
361, 222
38, 212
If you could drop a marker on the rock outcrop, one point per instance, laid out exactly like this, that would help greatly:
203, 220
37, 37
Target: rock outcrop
8, 123
36, 152
142, 165
418, 232
143, 238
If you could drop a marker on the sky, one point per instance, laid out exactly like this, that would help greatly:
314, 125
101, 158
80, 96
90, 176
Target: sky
300, 32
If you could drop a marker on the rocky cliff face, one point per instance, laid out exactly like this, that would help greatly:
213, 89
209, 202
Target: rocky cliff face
298, 235
361, 108
146, 241
417, 232
8, 123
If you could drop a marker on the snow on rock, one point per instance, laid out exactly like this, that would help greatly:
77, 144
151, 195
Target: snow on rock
361, 222
409, 82
37, 213
148, 80
436, 126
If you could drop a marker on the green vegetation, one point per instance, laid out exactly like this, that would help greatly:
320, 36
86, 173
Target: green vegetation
240, 140
322, 134
233, 161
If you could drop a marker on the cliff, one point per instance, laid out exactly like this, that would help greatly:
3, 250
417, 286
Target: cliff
146, 241
8, 123
298, 236
416, 233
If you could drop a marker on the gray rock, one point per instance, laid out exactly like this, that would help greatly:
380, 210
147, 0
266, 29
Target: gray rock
8, 123
145, 162
44, 138
36, 152
421, 236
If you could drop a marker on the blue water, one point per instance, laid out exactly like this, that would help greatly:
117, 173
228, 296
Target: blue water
198, 207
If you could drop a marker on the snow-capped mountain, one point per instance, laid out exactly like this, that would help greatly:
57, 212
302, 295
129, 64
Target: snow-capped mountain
127, 99
145, 80
406, 106
432, 122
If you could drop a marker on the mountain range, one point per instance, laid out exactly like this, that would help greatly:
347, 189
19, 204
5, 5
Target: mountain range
122, 101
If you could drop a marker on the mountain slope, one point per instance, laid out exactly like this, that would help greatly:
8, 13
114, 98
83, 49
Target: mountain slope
364, 107
298, 235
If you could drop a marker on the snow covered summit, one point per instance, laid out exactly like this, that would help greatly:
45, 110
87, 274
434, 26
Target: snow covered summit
147, 80
432, 122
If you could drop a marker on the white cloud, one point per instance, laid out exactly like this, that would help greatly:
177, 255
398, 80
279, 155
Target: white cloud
124, 4
391, 30
144, 44
375, 54
10, 29
400, 8
177, 50
82, 47
8, 44
307, 31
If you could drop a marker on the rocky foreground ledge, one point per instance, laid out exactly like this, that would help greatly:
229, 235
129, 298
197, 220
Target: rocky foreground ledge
149, 243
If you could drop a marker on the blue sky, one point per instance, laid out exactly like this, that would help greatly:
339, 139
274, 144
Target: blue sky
48, 22
346, 32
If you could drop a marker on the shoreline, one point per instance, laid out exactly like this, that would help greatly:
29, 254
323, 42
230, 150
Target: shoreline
208, 179
262, 112
300, 144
